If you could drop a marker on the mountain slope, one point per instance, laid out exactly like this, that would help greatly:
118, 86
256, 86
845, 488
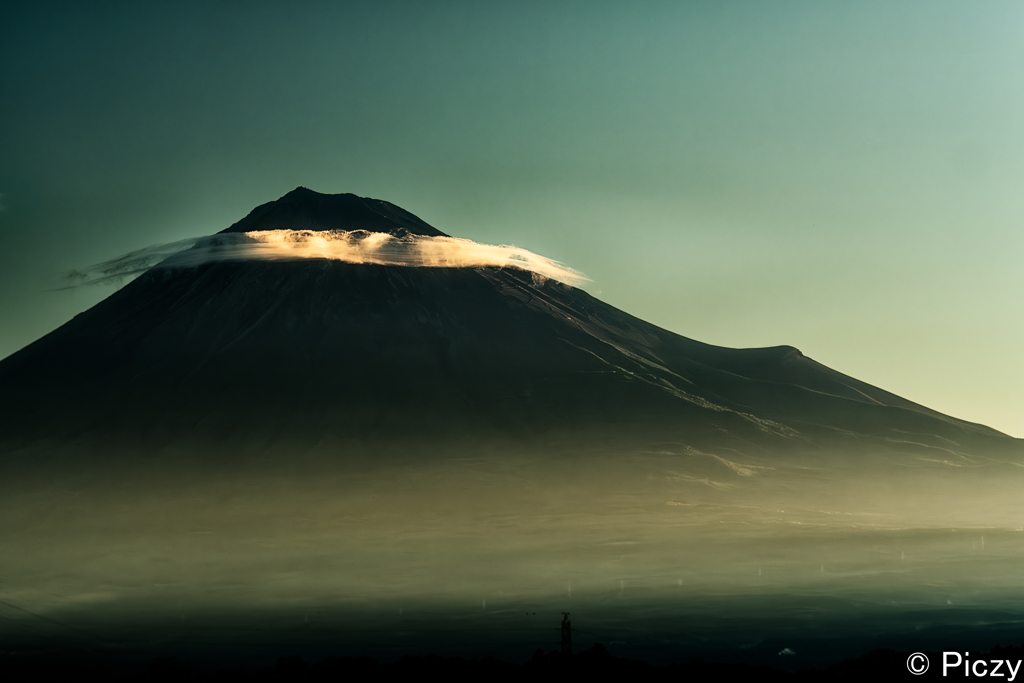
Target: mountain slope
301, 349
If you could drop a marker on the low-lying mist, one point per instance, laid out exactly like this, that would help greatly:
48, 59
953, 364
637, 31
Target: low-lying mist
330, 540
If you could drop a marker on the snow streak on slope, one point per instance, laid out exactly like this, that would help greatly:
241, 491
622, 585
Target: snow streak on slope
358, 246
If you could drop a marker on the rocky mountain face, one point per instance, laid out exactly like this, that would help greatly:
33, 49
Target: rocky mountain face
306, 348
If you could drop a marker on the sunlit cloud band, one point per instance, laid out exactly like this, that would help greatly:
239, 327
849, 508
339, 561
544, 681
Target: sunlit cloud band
357, 246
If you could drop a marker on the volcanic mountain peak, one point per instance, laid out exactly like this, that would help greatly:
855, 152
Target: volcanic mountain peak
457, 349
304, 209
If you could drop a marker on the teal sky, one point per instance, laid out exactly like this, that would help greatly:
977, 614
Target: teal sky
844, 177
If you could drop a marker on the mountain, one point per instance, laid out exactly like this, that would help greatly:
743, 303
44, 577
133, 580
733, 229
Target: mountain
309, 348
272, 456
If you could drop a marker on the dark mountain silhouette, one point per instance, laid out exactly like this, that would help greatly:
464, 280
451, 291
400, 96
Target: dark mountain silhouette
301, 349
260, 456
304, 209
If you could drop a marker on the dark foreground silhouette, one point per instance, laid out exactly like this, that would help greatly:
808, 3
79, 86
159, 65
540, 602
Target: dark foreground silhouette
595, 663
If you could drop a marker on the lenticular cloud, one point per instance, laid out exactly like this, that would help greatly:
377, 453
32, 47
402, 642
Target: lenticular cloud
357, 246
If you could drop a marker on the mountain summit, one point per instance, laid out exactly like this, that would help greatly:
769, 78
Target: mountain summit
304, 209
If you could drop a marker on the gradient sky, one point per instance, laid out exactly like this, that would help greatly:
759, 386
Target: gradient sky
846, 178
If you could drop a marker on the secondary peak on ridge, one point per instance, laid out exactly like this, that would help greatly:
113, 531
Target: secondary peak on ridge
305, 209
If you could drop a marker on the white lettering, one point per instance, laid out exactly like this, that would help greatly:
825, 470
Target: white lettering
1013, 669
999, 665
946, 664
974, 668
